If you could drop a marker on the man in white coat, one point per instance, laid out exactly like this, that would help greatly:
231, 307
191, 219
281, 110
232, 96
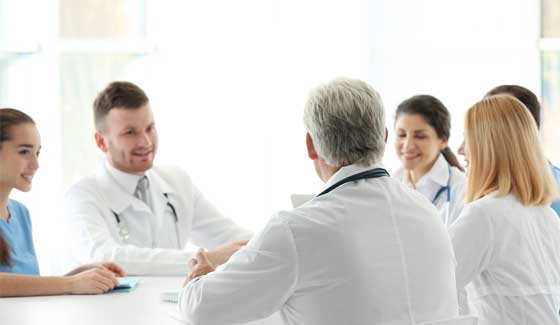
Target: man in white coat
366, 250
133, 213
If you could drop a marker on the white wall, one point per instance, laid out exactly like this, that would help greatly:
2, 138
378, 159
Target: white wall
454, 50
236, 76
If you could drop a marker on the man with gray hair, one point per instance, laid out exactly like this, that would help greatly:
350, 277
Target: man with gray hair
366, 250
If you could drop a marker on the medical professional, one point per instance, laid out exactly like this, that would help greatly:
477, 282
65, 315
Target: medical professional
139, 215
507, 239
531, 102
366, 250
422, 128
20, 144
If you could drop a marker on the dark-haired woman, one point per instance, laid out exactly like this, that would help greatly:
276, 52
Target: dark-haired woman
20, 144
422, 129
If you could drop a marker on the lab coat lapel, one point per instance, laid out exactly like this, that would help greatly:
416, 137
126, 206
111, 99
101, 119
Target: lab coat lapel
439, 173
159, 187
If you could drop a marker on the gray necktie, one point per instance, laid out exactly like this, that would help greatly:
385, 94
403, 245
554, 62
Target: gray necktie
141, 191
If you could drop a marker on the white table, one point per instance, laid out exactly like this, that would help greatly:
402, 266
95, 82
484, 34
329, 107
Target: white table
141, 306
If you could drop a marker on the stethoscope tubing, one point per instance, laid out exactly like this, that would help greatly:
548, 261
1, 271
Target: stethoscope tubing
123, 229
444, 188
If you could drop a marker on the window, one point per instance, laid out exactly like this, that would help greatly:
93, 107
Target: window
550, 69
53, 60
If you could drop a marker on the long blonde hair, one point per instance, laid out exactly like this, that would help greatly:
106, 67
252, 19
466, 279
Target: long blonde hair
505, 154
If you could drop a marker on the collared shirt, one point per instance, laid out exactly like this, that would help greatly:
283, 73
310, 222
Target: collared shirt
372, 251
440, 175
509, 255
556, 173
17, 233
128, 182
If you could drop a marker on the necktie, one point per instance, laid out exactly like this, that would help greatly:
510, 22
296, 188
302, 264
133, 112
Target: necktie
141, 191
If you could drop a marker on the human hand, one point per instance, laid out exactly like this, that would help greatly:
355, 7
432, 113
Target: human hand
201, 265
113, 267
95, 280
221, 254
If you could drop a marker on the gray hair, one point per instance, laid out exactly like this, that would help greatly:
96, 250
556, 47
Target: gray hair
346, 121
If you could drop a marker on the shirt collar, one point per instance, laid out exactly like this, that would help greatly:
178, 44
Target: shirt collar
348, 171
439, 173
126, 181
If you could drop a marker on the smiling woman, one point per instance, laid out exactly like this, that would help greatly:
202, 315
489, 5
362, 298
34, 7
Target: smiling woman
422, 127
13, 157
507, 238
20, 144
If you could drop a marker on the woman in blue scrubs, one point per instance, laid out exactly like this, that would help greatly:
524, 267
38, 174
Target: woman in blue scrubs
20, 144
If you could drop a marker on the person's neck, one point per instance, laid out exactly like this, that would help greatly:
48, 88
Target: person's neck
416, 174
4, 196
326, 171
114, 167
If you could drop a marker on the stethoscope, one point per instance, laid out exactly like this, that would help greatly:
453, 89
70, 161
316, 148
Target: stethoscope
447, 189
124, 233
372, 173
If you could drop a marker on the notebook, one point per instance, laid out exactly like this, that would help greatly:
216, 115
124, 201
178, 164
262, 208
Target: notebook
127, 283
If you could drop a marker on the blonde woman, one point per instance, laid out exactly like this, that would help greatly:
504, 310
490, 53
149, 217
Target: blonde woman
507, 239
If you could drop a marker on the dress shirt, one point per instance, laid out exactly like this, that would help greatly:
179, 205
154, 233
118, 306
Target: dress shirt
127, 182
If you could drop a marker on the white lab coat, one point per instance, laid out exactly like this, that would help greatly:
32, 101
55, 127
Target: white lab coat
369, 252
152, 246
509, 255
437, 178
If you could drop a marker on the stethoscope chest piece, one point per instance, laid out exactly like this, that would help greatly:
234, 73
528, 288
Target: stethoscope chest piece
123, 232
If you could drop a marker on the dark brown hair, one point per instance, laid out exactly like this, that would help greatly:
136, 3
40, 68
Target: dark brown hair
118, 94
524, 95
9, 118
436, 115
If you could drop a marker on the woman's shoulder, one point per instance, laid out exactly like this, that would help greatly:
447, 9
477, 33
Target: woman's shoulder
495, 206
397, 173
458, 183
18, 209
16, 205
457, 176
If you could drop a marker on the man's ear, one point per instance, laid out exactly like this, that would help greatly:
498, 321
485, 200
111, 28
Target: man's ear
386, 135
100, 141
311, 153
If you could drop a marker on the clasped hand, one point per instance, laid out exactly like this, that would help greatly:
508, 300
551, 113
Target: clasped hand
206, 262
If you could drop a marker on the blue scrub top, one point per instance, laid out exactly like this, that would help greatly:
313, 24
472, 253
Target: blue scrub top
17, 233
556, 172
